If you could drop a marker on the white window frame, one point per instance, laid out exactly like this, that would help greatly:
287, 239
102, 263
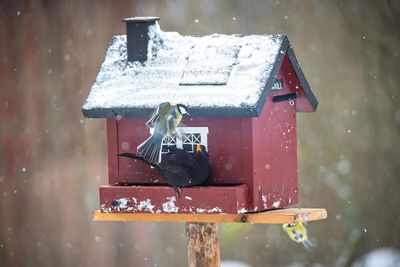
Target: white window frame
178, 138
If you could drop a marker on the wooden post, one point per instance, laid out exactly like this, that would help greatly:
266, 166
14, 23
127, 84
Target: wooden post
203, 246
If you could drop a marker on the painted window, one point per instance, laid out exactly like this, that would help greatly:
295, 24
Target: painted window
186, 138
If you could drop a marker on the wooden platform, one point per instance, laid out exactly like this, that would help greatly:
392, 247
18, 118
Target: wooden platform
281, 216
161, 199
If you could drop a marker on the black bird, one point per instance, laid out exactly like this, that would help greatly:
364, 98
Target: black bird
181, 168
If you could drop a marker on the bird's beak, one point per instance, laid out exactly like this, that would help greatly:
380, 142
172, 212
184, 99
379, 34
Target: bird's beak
198, 148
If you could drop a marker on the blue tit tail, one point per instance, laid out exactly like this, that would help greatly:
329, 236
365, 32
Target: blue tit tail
151, 148
308, 244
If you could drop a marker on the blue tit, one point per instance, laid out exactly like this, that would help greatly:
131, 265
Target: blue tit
120, 203
164, 119
298, 233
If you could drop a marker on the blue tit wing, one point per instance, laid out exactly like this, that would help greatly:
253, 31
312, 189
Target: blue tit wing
155, 115
173, 120
308, 244
152, 120
171, 124
298, 237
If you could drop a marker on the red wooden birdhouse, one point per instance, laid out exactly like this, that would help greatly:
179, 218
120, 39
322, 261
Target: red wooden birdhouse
243, 93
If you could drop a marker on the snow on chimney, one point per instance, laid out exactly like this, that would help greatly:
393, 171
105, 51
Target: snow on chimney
137, 36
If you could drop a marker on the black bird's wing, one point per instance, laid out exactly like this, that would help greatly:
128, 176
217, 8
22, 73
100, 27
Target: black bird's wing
175, 175
186, 169
201, 169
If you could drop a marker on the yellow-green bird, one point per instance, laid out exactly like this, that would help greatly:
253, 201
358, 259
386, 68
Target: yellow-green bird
298, 233
164, 119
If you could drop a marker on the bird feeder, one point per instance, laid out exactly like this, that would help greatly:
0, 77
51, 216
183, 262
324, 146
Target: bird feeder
243, 93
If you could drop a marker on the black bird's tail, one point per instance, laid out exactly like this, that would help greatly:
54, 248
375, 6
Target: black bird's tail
151, 148
137, 156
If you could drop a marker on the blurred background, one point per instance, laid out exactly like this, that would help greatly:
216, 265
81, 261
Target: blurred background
52, 160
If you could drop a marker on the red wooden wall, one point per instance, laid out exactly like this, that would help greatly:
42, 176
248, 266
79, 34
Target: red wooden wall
274, 183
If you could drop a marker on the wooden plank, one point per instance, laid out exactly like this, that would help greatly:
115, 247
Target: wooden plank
281, 216
203, 245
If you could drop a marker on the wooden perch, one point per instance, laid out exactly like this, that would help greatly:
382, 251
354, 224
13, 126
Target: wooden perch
281, 216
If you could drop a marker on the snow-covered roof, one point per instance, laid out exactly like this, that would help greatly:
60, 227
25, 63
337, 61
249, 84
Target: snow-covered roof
219, 75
